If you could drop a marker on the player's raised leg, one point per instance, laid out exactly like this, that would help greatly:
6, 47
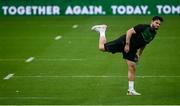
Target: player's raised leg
101, 29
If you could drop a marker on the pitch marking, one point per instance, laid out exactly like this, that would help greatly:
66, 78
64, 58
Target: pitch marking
57, 37
29, 59
39, 76
75, 26
8, 76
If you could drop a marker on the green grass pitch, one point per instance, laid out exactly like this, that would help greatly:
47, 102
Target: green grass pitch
70, 70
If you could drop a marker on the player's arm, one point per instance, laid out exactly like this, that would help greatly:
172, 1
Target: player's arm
129, 33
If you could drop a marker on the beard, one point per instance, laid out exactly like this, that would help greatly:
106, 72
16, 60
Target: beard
155, 28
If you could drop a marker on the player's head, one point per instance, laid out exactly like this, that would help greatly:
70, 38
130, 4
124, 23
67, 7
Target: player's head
156, 22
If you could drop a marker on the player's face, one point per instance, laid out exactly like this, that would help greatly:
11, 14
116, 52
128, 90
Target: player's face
155, 24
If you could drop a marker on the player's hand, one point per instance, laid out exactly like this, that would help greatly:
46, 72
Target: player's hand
126, 48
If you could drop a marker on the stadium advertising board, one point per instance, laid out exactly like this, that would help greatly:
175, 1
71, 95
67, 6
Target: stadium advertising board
89, 7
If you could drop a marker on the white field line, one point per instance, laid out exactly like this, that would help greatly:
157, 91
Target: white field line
15, 59
1, 98
29, 59
8, 76
87, 76
42, 59
87, 37
60, 59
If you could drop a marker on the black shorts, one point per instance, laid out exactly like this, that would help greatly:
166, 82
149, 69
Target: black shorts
117, 46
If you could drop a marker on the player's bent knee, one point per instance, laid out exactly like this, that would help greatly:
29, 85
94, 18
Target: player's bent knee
131, 64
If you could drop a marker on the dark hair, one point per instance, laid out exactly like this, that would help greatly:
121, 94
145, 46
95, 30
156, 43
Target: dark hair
157, 18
